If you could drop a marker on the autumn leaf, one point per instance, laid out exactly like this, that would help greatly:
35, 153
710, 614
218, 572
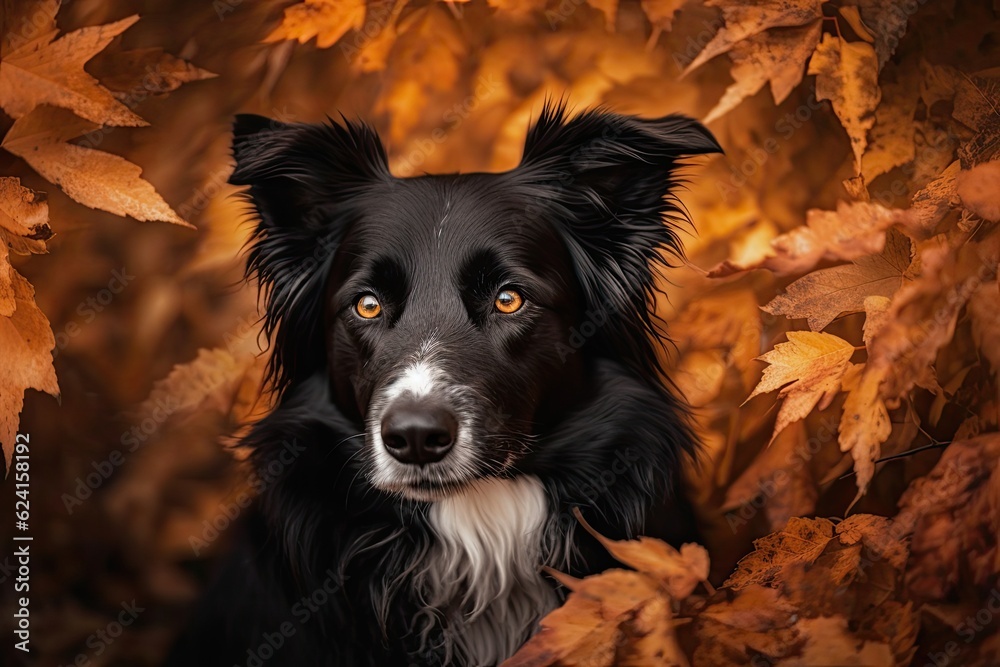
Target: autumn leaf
847, 75
823, 295
932, 203
977, 99
876, 314
27, 342
885, 22
598, 616
953, 517
809, 592
42, 71
210, 380
326, 20
852, 231
24, 228
733, 629
924, 312
890, 141
680, 571
93, 178
131, 75
811, 364
746, 20
654, 640
800, 543
864, 425
778, 56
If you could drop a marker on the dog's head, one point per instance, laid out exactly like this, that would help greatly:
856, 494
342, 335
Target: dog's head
457, 316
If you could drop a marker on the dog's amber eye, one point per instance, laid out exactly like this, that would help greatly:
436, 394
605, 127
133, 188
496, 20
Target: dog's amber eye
368, 307
508, 301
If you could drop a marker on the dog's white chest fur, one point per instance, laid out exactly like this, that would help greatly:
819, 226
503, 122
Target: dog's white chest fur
483, 571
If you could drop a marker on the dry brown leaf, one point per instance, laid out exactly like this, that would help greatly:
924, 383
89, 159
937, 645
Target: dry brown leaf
24, 228
865, 425
93, 178
953, 516
876, 315
878, 535
131, 75
886, 24
853, 18
654, 641
27, 342
932, 203
847, 75
212, 380
41, 71
977, 100
809, 593
800, 543
744, 20
753, 627
813, 363
778, 56
979, 190
588, 628
924, 312
823, 295
890, 142
679, 571
38, 16
852, 231
326, 20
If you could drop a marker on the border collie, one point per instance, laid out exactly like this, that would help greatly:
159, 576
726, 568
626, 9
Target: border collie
459, 361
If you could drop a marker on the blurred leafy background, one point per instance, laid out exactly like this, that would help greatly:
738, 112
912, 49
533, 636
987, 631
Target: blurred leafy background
879, 117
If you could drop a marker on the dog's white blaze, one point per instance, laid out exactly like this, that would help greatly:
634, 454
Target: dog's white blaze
487, 556
418, 380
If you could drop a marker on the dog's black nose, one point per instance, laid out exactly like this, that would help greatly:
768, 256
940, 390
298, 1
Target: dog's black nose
418, 432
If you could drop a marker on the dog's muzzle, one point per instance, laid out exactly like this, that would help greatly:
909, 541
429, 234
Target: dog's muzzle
420, 433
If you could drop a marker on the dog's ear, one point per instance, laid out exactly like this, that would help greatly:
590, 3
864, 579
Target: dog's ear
609, 181
296, 170
304, 182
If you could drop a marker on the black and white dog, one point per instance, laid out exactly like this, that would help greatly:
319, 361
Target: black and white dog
460, 360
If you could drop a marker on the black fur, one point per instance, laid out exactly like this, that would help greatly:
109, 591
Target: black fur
570, 391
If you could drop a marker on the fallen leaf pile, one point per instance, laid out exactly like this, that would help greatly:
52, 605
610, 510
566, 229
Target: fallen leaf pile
836, 323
